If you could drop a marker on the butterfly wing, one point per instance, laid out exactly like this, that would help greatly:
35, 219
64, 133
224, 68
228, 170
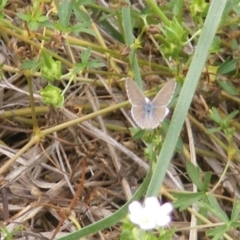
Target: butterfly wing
164, 96
161, 101
135, 95
149, 119
146, 120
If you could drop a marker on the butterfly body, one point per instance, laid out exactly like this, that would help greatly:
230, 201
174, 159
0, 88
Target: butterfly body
148, 114
148, 106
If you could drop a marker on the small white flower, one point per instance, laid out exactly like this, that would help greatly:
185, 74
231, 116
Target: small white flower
151, 215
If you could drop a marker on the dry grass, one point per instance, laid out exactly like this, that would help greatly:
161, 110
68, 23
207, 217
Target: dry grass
85, 171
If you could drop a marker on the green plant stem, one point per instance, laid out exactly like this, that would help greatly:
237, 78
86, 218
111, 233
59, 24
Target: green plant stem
222, 176
82, 119
158, 11
101, 41
33, 112
23, 112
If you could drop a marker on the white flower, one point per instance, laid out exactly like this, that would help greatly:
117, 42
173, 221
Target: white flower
151, 215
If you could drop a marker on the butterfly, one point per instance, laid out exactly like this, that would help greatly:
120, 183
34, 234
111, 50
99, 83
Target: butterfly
149, 114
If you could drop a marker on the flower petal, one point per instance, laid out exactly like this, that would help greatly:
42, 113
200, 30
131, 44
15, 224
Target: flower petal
141, 216
134, 207
166, 208
147, 225
152, 203
136, 211
151, 215
163, 221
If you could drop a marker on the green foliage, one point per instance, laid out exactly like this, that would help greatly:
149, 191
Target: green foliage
33, 65
34, 20
175, 37
195, 175
127, 230
185, 200
1, 66
228, 224
154, 140
9, 235
216, 45
199, 8
50, 69
65, 9
166, 234
80, 14
223, 124
2, 5
52, 96
133, 233
86, 63
232, 6
228, 66
228, 87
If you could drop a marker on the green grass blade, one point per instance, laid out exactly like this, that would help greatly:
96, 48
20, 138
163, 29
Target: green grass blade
208, 32
128, 36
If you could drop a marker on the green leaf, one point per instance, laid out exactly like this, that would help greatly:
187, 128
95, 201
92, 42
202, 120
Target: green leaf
42, 18
82, 27
108, 27
235, 224
194, 174
215, 116
227, 87
228, 66
213, 130
81, 15
85, 55
3, 4
184, 200
204, 212
235, 211
216, 45
95, 64
28, 64
229, 118
85, 63
24, 17
137, 133
33, 25
217, 232
166, 235
206, 181
64, 11
216, 209
84, 2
